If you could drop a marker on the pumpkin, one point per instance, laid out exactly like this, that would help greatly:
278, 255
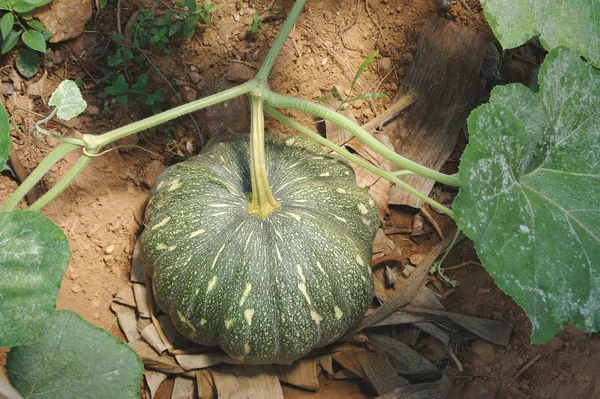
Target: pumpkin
265, 289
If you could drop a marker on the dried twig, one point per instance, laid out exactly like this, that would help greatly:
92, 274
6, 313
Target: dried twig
433, 222
462, 264
527, 365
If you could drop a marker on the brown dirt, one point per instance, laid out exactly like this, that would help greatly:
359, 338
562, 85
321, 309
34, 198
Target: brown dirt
102, 212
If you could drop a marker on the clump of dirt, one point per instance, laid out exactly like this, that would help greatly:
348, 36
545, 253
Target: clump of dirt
102, 212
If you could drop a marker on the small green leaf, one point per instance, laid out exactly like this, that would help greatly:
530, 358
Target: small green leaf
117, 38
34, 40
36, 24
34, 254
336, 94
323, 100
28, 62
575, 24
159, 96
123, 99
68, 100
191, 4
530, 195
5, 4
366, 96
11, 41
363, 66
6, 23
74, 359
140, 85
46, 34
4, 136
189, 27
208, 6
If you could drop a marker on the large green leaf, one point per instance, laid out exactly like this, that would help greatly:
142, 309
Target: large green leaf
572, 23
4, 136
34, 254
74, 359
531, 193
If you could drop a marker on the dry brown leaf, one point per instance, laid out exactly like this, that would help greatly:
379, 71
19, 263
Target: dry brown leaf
142, 324
150, 335
153, 361
247, 381
384, 246
345, 374
153, 381
168, 328
36, 89
125, 297
127, 321
141, 300
350, 360
379, 372
137, 268
205, 384
7, 391
325, 361
302, 373
183, 388
203, 360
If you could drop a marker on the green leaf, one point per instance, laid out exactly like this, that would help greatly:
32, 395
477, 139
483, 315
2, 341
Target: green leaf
68, 100
28, 62
34, 40
46, 34
363, 66
530, 198
6, 23
36, 24
191, 4
34, 254
117, 38
323, 100
4, 136
189, 27
336, 94
367, 96
11, 41
74, 359
574, 23
24, 6
123, 99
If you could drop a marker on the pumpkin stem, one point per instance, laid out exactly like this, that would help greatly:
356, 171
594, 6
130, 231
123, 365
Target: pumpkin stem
262, 202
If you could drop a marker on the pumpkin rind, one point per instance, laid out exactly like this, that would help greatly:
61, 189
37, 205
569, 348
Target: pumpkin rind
267, 290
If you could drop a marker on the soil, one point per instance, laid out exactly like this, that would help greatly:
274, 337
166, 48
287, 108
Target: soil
102, 212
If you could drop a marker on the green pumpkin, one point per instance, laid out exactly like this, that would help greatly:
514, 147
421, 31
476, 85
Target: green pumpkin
267, 290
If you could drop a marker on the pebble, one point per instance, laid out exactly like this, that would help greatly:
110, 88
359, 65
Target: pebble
408, 270
416, 259
384, 66
93, 110
76, 288
484, 350
195, 76
109, 250
556, 344
188, 94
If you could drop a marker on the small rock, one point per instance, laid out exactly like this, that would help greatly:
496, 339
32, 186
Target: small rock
384, 66
7, 89
188, 94
95, 304
408, 270
194, 76
107, 258
109, 250
239, 73
484, 350
416, 259
66, 19
556, 344
93, 110
417, 228
114, 226
76, 288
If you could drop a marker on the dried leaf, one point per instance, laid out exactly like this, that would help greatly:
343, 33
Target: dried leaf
345, 374
247, 381
302, 373
150, 335
141, 300
183, 388
350, 361
203, 360
168, 328
433, 390
125, 297
153, 381
153, 361
379, 372
127, 321
137, 268
326, 363
384, 246
205, 384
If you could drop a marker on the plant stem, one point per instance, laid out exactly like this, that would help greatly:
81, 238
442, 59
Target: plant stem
96, 142
38, 127
58, 153
353, 158
269, 61
282, 101
263, 202
59, 187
